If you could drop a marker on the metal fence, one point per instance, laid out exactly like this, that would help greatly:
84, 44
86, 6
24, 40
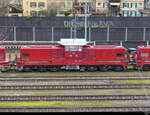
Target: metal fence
93, 34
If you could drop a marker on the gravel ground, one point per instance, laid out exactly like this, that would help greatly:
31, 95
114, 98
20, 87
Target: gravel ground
75, 82
131, 103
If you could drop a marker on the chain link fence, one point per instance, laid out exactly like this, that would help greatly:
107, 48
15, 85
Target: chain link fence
106, 35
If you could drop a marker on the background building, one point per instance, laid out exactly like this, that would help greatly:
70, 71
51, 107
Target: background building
60, 6
132, 7
15, 10
120, 7
34, 7
70, 7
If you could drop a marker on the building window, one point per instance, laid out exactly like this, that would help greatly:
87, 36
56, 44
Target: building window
83, 4
10, 9
125, 5
99, 4
42, 13
60, 12
105, 5
139, 4
125, 13
62, 5
33, 13
132, 13
67, 4
139, 14
41, 4
33, 4
133, 5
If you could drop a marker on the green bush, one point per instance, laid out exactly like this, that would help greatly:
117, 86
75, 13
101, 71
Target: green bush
67, 13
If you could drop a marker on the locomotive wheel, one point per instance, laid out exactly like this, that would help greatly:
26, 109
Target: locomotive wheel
54, 69
27, 69
146, 68
118, 68
92, 68
103, 68
42, 69
82, 69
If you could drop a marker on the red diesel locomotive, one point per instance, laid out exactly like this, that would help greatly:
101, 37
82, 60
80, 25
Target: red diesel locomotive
142, 58
73, 57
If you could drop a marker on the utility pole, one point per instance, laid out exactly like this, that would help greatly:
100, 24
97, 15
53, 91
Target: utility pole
85, 21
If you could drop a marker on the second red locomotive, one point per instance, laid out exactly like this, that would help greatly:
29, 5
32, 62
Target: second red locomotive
142, 58
4, 63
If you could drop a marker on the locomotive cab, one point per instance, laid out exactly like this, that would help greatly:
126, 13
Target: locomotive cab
73, 51
4, 63
143, 58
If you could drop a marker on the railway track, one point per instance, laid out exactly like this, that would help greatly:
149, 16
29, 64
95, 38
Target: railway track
46, 83
68, 81
74, 79
15, 75
73, 97
71, 87
77, 109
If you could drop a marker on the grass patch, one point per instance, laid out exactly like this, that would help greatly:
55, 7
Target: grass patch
117, 92
69, 74
31, 92
55, 104
131, 82
77, 92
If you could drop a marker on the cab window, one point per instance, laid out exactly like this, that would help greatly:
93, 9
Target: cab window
73, 48
119, 55
144, 54
1, 55
26, 55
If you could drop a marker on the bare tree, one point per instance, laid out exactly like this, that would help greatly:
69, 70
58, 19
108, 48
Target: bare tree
4, 3
3, 7
52, 9
5, 32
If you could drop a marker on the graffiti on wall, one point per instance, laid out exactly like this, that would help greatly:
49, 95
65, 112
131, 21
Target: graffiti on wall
90, 24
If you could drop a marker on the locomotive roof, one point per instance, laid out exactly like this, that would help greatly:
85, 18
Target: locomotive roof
76, 41
57, 46
39, 47
144, 47
109, 46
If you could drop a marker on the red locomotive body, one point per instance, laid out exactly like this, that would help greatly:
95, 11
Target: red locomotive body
3, 62
106, 57
143, 57
39, 57
73, 57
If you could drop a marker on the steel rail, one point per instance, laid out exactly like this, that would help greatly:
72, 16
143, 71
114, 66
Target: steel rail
70, 87
76, 109
71, 79
73, 97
